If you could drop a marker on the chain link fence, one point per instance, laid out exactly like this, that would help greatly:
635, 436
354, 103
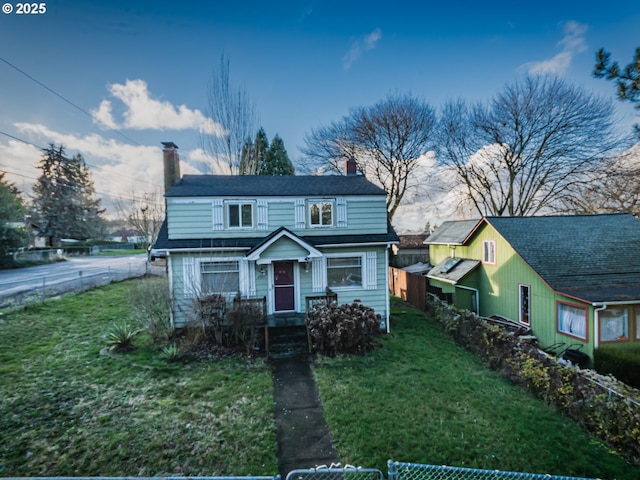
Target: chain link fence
336, 473
413, 471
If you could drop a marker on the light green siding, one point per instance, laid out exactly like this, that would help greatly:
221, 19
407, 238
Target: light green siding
189, 219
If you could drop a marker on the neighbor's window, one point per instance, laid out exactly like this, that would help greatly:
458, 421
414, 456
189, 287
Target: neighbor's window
637, 310
489, 252
614, 325
572, 320
240, 215
220, 277
524, 299
344, 272
321, 214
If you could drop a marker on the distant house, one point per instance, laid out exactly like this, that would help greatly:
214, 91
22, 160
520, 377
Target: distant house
575, 280
128, 235
411, 249
281, 238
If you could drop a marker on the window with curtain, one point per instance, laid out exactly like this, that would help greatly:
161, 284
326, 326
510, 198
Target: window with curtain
344, 272
614, 325
489, 252
220, 277
572, 320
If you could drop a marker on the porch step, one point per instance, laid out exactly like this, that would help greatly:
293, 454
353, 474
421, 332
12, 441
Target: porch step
288, 342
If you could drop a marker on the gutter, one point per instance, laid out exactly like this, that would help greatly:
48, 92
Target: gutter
599, 307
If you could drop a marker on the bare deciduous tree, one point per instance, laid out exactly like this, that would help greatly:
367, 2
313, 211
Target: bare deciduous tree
613, 187
144, 212
387, 140
235, 112
528, 148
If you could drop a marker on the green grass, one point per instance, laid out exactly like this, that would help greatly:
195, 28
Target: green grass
67, 410
423, 399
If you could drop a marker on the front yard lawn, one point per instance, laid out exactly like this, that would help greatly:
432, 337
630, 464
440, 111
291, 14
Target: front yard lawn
423, 399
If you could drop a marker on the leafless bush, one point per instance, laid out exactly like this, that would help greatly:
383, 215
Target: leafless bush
149, 299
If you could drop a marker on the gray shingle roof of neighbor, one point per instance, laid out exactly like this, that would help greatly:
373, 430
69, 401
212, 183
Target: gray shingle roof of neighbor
591, 257
452, 232
268, 185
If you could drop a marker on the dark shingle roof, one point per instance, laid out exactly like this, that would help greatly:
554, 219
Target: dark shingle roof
164, 243
591, 257
267, 185
452, 232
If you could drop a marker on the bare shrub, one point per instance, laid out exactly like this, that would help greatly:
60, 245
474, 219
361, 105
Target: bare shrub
346, 328
149, 299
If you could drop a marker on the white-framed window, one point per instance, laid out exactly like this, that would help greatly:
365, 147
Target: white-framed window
344, 271
321, 213
489, 252
572, 320
614, 325
220, 277
240, 215
637, 315
524, 302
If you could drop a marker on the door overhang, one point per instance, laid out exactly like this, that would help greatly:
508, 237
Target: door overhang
306, 253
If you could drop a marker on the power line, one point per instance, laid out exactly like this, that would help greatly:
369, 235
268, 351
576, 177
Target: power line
66, 100
87, 164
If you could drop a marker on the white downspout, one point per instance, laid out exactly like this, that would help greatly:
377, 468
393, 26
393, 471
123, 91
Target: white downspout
596, 324
386, 279
477, 305
171, 297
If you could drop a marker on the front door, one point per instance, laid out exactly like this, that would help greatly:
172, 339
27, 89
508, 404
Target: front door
284, 287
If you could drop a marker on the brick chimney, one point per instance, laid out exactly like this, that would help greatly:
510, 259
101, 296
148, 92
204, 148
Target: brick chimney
350, 167
171, 164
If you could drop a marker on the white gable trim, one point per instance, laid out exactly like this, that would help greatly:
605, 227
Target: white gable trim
313, 252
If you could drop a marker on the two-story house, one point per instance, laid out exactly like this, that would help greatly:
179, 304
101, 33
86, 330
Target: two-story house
283, 238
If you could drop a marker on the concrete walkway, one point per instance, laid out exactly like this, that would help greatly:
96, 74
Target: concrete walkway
304, 439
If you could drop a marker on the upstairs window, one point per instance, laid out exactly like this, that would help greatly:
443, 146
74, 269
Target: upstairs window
489, 252
240, 215
321, 214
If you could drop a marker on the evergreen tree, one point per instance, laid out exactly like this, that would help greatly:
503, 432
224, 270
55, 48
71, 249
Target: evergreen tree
277, 161
254, 154
64, 198
12, 211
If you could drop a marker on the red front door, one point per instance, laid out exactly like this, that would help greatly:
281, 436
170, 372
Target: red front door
284, 287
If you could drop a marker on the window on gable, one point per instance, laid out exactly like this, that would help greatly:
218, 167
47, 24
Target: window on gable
614, 325
344, 271
489, 252
240, 215
220, 277
572, 320
321, 214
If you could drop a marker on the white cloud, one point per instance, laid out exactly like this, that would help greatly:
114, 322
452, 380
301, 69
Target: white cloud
571, 44
361, 45
117, 169
146, 113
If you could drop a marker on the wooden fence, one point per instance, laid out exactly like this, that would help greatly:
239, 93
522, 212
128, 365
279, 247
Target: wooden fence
409, 287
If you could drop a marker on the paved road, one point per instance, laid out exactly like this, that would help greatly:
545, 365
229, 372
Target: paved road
32, 278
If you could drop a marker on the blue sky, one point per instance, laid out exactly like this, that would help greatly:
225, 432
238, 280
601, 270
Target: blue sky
143, 67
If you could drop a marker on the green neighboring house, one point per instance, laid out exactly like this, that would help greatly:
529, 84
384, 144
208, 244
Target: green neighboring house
575, 280
281, 238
